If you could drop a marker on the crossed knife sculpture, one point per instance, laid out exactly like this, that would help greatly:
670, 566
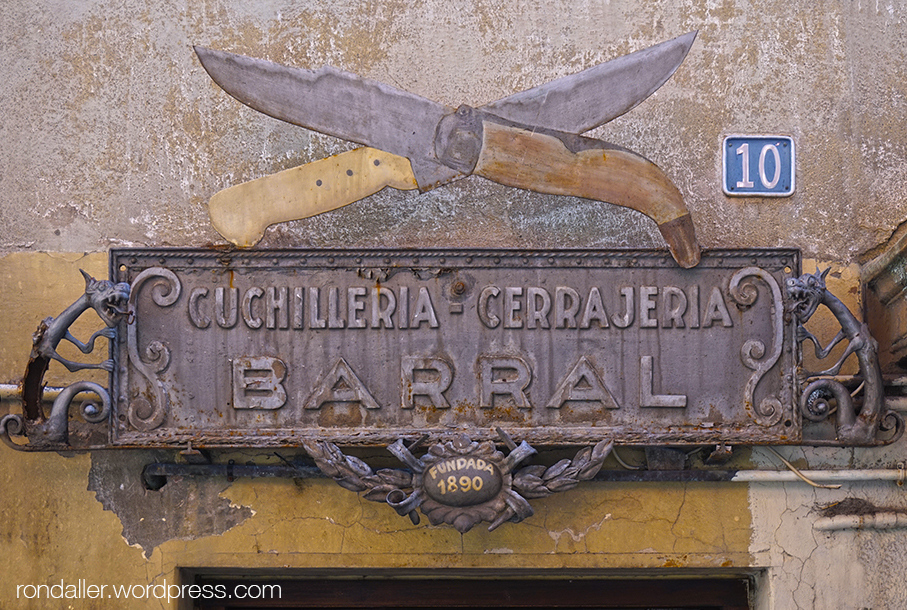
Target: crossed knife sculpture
527, 140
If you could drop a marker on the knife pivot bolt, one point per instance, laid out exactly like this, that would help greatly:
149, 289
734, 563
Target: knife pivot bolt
318, 183
349, 172
458, 140
377, 162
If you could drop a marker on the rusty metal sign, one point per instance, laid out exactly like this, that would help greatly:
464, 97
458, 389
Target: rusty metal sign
278, 348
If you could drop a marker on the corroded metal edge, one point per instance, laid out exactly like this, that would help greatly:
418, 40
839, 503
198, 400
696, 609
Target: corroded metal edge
460, 257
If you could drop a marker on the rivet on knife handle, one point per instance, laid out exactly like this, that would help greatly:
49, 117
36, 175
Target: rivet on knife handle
241, 213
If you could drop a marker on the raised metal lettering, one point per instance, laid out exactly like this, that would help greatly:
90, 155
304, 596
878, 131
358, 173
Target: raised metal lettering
334, 319
647, 395
258, 383
277, 315
251, 320
594, 310
436, 375
504, 376
673, 306
694, 306
315, 319
381, 316
627, 319
582, 383
403, 304
424, 312
298, 307
564, 314
199, 319
716, 310
511, 306
340, 384
647, 304
488, 319
226, 311
556, 347
538, 304
354, 306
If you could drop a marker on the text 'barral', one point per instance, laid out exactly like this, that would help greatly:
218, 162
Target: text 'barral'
362, 347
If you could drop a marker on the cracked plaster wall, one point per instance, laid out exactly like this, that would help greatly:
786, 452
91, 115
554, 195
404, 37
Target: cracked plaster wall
838, 569
113, 136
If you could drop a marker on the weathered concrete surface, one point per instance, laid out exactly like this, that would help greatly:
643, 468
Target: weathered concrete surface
115, 135
182, 510
36, 286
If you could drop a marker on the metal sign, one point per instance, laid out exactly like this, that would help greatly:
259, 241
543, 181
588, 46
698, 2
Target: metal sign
278, 348
758, 166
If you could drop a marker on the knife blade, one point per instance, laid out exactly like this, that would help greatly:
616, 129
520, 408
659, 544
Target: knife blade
442, 145
340, 104
375, 114
596, 95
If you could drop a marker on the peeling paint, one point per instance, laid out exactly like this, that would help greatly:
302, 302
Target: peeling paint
185, 509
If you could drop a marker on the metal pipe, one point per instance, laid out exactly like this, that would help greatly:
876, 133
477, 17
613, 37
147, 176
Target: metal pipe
886, 520
11, 391
155, 475
850, 475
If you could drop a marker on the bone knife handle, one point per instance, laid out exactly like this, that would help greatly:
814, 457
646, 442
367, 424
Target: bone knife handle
543, 163
241, 213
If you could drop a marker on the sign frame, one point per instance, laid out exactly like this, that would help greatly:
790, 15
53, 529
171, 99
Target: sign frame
135, 422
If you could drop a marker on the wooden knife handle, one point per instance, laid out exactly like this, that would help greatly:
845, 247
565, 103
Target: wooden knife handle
241, 213
543, 163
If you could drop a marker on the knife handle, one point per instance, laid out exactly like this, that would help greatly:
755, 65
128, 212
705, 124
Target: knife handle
543, 163
241, 213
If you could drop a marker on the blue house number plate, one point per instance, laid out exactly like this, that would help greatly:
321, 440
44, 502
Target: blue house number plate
761, 166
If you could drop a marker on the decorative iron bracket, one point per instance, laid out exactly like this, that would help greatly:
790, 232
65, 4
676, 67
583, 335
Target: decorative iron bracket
49, 433
866, 424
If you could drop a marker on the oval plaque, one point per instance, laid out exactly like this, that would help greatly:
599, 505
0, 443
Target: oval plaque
462, 481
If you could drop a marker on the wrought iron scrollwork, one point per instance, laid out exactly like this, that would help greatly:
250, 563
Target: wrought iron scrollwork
47, 432
870, 423
458, 481
768, 412
144, 414
55, 429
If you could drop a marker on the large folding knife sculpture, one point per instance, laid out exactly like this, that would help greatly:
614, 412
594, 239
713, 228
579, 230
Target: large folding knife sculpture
527, 140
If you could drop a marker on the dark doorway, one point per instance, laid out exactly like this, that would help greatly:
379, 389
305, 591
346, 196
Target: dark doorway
506, 593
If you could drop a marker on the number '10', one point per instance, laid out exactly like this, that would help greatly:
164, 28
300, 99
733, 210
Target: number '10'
744, 151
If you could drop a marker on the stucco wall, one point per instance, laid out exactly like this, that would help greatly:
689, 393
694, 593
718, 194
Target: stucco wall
114, 135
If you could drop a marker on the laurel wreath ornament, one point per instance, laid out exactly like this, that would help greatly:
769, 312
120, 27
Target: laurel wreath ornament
458, 481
